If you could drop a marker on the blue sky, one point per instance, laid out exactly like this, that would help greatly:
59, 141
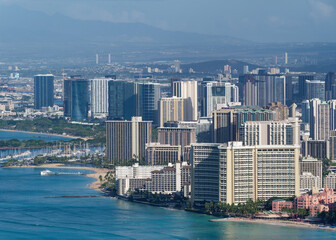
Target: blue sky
257, 20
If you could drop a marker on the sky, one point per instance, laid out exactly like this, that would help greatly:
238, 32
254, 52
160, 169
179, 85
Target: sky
255, 20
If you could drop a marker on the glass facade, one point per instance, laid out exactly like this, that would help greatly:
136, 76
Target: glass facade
43, 91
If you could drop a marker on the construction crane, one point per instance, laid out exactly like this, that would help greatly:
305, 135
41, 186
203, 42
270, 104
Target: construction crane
63, 74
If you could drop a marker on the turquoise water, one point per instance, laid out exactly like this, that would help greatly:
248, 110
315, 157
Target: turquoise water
7, 135
25, 213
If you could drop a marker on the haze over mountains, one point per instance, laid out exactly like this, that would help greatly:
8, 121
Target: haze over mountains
34, 34
44, 32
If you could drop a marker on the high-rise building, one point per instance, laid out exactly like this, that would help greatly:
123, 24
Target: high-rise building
217, 93
203, 128
289, 89
309, 182
281, 111
187, 89
286, 58
315, 89
233, 173
246, 69
286, 132
228, 123
127, 140
175, 109
315, 148
305, 106
302, 94
150, 97
182, 136
76, 98
330, 180
162, 154
123, 101
313, 166
43, 91
99, 96
332, 114
332, 146
319, 120
330, 86
262, 89
127, 99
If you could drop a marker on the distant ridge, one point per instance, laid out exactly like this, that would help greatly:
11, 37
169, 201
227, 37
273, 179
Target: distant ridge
20, 27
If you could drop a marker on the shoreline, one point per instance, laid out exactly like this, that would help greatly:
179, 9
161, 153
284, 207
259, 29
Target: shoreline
278, 223
97, 172
42, 133
102, 172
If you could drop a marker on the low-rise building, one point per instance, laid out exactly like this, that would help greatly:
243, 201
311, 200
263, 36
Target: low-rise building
279, 204
128, 178
316, 202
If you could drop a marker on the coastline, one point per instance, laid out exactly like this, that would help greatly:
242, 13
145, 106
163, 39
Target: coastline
102, 172
51, 134
97, 172
279, 223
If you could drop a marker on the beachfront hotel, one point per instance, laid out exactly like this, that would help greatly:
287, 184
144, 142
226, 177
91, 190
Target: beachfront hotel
315, 203
127, 139
233, 173
155, 179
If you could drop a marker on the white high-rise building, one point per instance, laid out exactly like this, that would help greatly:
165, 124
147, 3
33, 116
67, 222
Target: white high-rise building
332, 114
319, 120
187, 89
233, 173
286, 58
246, 69
219, 93
99, 96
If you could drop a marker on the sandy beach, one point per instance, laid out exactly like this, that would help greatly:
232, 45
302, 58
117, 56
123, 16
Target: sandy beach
52, 134
97, 172
282, 223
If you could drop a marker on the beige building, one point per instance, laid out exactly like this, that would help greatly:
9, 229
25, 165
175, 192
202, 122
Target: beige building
228, 122
187, 89
233, 173
309, 182
183, 136
313, 166
330, 180
286, 132
127, 139
281, 111
175, 109
162, 154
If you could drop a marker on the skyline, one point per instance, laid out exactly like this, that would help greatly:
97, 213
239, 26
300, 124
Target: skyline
259, 21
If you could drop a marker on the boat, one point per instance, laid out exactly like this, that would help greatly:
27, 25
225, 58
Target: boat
46, 173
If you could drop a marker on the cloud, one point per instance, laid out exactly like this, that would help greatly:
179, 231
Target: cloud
321, 10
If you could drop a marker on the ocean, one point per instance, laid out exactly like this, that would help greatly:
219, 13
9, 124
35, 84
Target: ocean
27, 212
